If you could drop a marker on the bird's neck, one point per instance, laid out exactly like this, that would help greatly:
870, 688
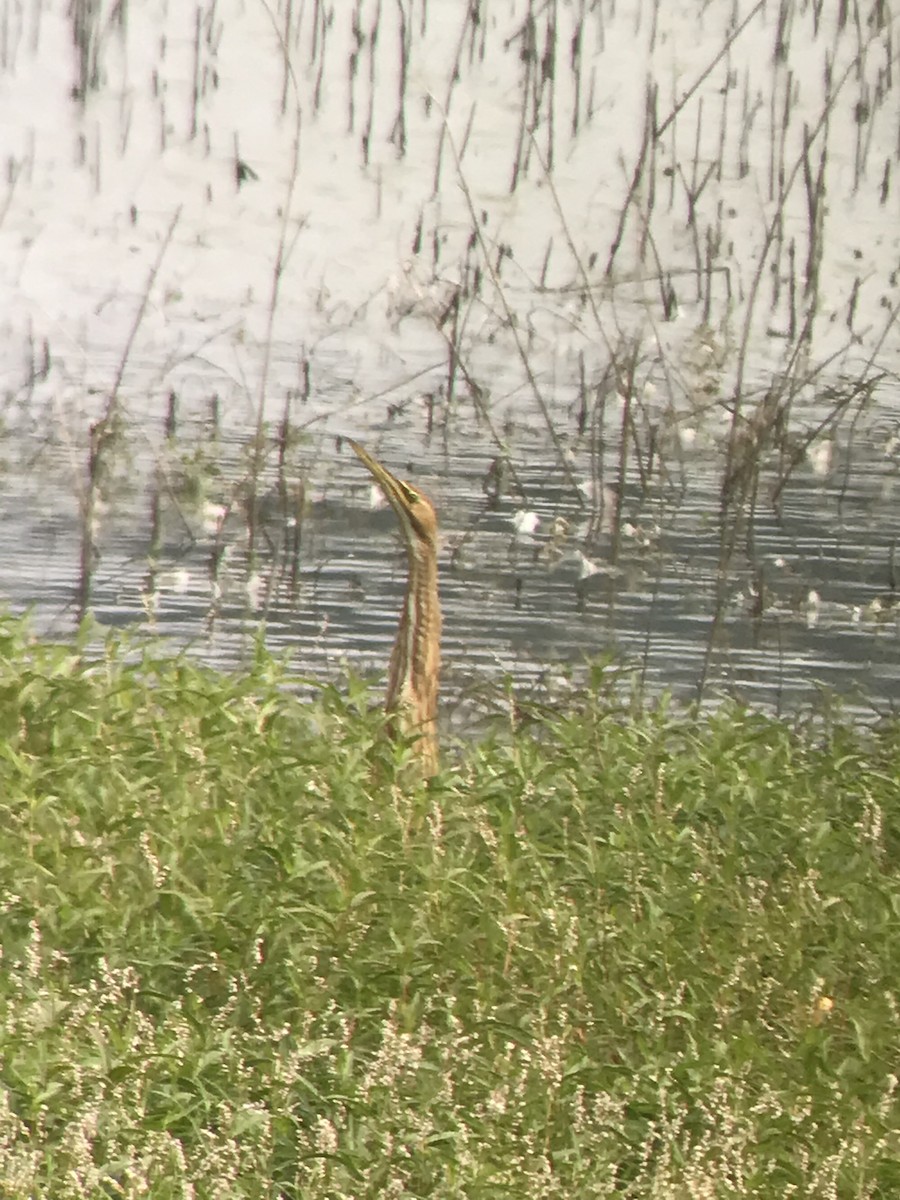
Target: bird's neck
415, 663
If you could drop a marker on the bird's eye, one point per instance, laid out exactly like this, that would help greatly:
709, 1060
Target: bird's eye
411, 496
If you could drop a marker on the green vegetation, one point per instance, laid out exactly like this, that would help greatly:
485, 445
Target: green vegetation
625, 955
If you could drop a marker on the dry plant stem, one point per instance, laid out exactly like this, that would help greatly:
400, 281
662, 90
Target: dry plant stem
14, 173
353, 65
453, 345
548, 77
748, 117
456, 363
154, 544
282, 34
319, 19
694, 190
195, 75
624, 377
815, 200
513, 326
597, 519
103, 436
454, 77
527, 55
876, 350
287, 68
626, 384
398, 134
782, 29
297, 500
768, 239
647, 137
370, 116
814, 193
282, 256
317, 89
650, 199
85, 17
290, 496
729, 42
723, 120
575, 62
142, 308
576, 256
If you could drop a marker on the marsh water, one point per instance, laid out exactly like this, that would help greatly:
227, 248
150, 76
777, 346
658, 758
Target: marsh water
616, 283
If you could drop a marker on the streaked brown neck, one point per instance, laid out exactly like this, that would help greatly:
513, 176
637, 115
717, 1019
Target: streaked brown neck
415, 662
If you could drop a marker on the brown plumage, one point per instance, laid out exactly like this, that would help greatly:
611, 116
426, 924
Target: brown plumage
415, 666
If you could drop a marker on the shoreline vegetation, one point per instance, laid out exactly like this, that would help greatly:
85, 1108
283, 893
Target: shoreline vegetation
616, 951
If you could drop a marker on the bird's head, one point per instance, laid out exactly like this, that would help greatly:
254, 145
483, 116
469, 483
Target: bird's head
415, 512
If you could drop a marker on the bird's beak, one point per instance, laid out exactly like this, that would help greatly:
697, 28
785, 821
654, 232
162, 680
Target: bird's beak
392, 487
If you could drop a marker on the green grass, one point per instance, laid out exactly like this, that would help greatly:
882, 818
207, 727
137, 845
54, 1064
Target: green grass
619, 955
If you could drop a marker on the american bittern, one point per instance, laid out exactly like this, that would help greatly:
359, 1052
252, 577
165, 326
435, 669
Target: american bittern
415, 667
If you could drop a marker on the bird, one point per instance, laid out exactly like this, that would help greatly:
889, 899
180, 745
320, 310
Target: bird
414, 672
